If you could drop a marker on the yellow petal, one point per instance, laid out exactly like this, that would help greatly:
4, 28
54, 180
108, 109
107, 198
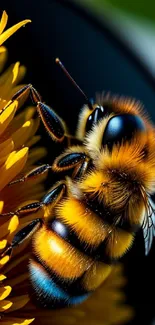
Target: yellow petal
9, 226
12, 30
36, 154
15, 71
3, 243
7, 76
19, 302
21, 118
4, 260
3, 159
33, 141
21, 74
2, 277
7, 116
3, 21
18, 73
13, 230
17, 321
6, 147
3, 103
3, 57
15, 156
22, 135
4, 305
4, 292
3, 49
14, 90
13, 166
8, 80
13, 224
36, 123
29, 112
1, 206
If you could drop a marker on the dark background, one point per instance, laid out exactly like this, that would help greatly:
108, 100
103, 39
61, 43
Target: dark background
98, 61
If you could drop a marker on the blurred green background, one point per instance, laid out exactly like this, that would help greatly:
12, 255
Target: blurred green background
133, 21
145, 9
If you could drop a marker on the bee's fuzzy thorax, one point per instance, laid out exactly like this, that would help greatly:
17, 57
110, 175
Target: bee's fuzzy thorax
132, 162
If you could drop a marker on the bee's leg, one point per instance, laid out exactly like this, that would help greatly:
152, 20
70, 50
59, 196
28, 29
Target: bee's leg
24, 91
21, 93
24, 210
54, 125
48, 201
54, 195
72, 158
22, 235
52, 122
34, 173
81, 169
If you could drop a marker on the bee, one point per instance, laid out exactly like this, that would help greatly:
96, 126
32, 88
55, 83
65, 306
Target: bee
103, 200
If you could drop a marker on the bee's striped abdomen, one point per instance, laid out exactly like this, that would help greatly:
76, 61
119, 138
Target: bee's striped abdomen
58, 255
73, 250
97, 238
51, 294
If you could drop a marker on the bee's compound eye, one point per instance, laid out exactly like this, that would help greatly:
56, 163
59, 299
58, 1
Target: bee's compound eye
121, 127
98, 114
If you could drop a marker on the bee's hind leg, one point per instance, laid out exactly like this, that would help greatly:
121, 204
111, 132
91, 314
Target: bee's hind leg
22, 235
33, 174
47, 203
49, 200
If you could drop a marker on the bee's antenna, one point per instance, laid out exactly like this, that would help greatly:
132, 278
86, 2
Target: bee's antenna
74, 82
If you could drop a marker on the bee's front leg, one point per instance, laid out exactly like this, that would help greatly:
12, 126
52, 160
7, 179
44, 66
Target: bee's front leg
74, 158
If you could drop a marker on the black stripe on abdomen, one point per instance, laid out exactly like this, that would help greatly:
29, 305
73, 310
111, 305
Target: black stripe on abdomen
64, 231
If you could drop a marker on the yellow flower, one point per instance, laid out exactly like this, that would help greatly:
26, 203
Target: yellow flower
17, 136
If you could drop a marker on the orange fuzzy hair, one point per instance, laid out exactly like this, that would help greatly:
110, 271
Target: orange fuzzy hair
124, 105
119, 105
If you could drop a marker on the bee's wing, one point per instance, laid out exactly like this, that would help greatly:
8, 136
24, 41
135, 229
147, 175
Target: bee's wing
149, 226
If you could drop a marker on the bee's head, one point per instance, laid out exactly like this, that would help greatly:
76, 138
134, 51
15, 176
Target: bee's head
120, 128
116, 130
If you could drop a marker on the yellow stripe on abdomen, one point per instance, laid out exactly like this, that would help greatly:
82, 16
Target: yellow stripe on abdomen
58, 255
87, 225
118, 242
